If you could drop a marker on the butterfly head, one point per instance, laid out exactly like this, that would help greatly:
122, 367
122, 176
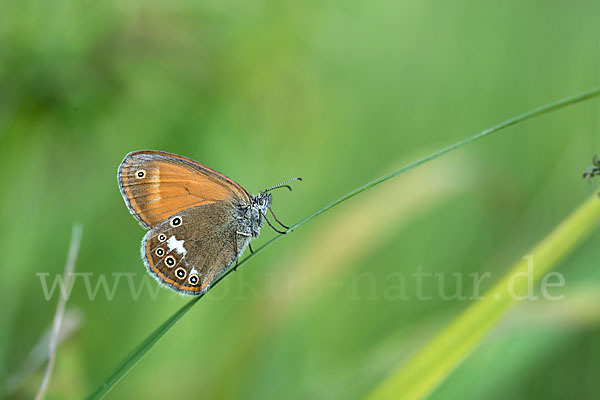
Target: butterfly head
260, 203
256, 212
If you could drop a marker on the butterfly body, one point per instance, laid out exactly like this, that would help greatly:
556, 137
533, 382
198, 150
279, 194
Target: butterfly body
251, 215
199, 220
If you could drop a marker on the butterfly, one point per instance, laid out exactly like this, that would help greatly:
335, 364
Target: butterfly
199, 220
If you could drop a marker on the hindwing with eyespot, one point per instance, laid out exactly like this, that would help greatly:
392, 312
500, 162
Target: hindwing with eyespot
159, 253
188, 251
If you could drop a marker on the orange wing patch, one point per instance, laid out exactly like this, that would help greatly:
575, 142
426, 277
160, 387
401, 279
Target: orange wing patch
156, 185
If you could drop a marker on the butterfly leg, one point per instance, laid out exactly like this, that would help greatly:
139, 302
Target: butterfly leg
237, 252
271, 225
250, 247
277, 219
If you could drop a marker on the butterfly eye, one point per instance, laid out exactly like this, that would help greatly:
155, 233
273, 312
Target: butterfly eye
160, 252
170, 261
162, 237
140, 174
193, 279
176, 221
180, 273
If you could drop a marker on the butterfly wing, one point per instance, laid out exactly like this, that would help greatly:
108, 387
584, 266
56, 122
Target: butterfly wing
188, 251
155, 185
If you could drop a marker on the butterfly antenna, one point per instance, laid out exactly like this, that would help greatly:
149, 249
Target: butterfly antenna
284, 184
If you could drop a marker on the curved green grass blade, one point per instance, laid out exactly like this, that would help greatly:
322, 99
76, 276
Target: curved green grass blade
140, 351
149, 342
429, 367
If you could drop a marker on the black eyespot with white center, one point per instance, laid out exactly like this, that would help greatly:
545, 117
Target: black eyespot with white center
180, 273
159, 252
176, 221
193, 279
162, 237
170, 261
140, 174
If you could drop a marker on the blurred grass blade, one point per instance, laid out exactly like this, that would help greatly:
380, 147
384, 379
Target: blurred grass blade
536, 112
140, 351
334, 250
429, 367
149, 342
76, 233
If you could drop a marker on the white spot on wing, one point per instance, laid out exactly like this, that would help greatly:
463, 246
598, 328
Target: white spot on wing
177, 245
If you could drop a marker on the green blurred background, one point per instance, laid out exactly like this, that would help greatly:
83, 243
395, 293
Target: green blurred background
338, 93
